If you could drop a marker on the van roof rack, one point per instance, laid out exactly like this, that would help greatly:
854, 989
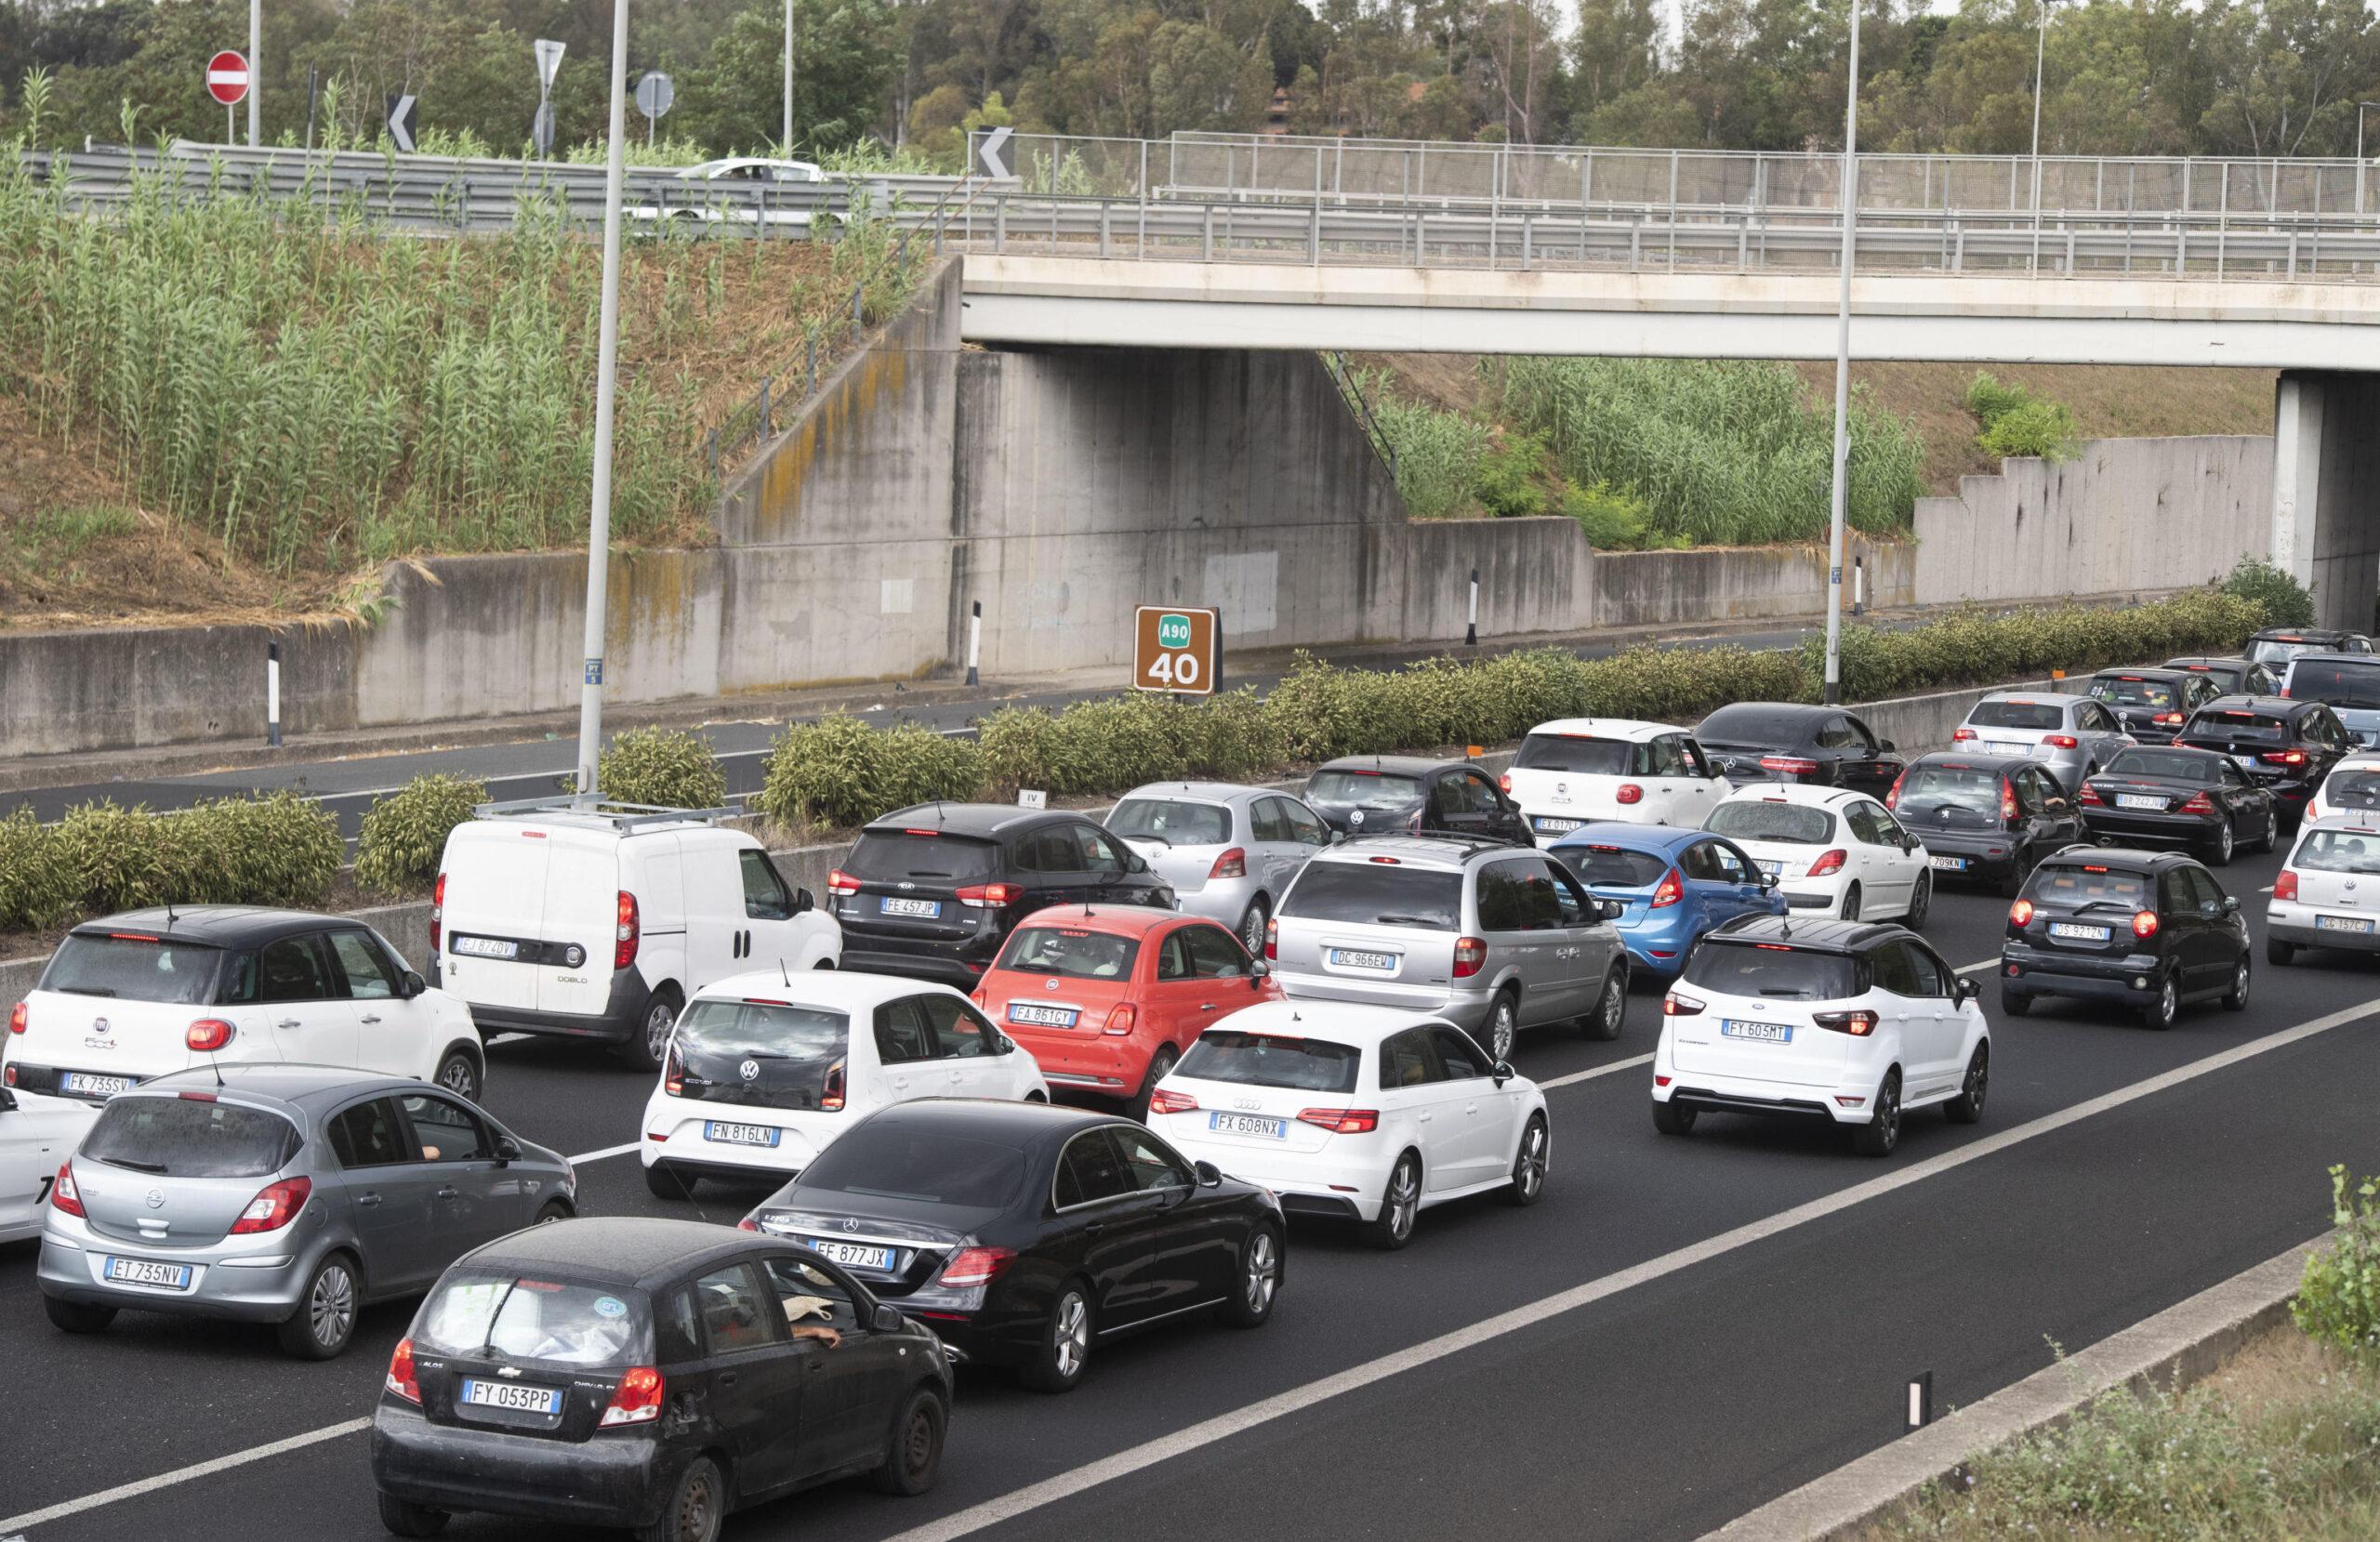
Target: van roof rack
620, 815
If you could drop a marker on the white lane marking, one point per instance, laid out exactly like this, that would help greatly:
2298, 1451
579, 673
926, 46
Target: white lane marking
1182, 1443
621, 1150
1576, 1076
183, 1474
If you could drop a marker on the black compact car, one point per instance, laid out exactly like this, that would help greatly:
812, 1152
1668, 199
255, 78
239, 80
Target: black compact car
1984, 817
2150, 930
1408, 795
2191, 797
2286, 747
933, 892
2277, 645
652, 1374
2232, 677
1788, 742
1024, 1233
2152, 705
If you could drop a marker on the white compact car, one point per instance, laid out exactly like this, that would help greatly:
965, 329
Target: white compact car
2324, 895
1832, 851
37, 1135
2352, 787
1834, 1019
766, 1068
598, 920
1372, 1113
1577, 771
138, 995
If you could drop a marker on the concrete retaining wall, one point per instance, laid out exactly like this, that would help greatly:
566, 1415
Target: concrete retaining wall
1650, 588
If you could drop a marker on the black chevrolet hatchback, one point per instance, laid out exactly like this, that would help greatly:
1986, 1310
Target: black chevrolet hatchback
2151, 930
650, 1374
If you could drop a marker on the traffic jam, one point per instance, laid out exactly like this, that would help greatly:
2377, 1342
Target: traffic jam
1025, 1085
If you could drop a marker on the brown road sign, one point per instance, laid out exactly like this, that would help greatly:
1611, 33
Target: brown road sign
1177, 649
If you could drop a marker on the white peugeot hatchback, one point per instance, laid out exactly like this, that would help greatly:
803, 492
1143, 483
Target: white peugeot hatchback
1369, 1113
766, 1068
1829, 850
1838, 1019
1578, 771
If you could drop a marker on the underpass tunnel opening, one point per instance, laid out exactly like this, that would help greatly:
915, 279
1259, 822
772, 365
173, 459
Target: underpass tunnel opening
2326, 492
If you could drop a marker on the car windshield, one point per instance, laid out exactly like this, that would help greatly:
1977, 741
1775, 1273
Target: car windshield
1952, 784
2335, 681
2030, 717
1272, 1060
2353, 789
1070, 953
1755, 724
2224, 725
1778, 971
2338, 851
1613, 866
482, 1315
133, 966
2132, 692
904, 1162
775, 1054
1582, 755
1761, 819
2280, 650
892, 855
191, 1136
1172, 821
1376, 895
2164, 765
1363, 789
2075, 884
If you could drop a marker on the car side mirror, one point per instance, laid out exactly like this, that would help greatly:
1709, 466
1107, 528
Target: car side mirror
2230, 904
1968, 990
1501, 1072
1257, 973
1885, 746
1611, 910
886, 1319
804, 901
507, 1149
413, 985
1208, 1174
1337, 836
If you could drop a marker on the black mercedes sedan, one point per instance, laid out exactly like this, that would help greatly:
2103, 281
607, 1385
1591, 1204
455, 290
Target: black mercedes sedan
1790, 741
2193, 797
2286, 747
1025, 1234
1989, 818
650, 1374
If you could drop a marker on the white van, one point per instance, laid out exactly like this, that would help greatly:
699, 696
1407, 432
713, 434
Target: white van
596, 919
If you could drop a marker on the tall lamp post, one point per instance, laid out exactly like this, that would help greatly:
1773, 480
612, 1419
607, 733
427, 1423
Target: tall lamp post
1842, 374
607, 360
2360, 108
255, 64
784, 141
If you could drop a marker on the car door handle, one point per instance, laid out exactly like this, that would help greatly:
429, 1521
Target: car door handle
367, 1200
1423, 1118
1094, 1229
1206, 1006
1471, 1108
370, 1020
727, 1378
287, 1022
450, 1194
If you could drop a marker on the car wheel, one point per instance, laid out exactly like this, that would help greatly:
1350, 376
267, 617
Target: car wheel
2165, 1006
1260, 1280
2272, 832
1251, 926
913, 1458
1160, 1065
649, 1045
2280, 954
1967, 1107
2015, 1003
1064, 1351
2226, 841
75, 1316
1611, 1007
1529, 1164
553, 1211
696, 1507
1673, 1118
1920, 899
325, 1320
1400, 1202
664, 1182
404, 1518
1881, 1134
458, 1073
2235, 999
1851, 902
1503, 1025
2019, 869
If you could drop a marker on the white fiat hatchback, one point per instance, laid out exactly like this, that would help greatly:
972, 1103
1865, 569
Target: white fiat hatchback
1829, 850
1577, 771
1833, 1019
1369, 1113
765, 1069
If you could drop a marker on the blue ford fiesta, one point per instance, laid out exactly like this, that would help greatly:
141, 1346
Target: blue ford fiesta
1676, 884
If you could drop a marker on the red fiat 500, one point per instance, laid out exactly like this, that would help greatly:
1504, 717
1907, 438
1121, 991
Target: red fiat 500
1106, 998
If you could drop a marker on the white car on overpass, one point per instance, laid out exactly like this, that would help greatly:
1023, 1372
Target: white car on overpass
1829, 850
738, 189
1582, 771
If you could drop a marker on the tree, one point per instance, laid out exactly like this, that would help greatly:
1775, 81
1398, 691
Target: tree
843, 66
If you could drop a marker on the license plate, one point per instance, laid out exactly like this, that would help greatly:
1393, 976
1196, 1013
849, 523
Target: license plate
83, 1081
2078, 931
486, 947
1245, 1124
1772, 868
1042, 1017
505, 1394
1998, 747
1349, 958
928, 908
2245, 762
1551, 826
2342, 923
853, 1255
2139, 800
140, 1272
1948, 864
1758, 1032
739, 1135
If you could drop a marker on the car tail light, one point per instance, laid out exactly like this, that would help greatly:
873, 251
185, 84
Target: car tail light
842, 883
437, 911
1960, 735
1504, 783
1470, 952
1121, 1018
1162, 1101
207, 1033
63, 1197
1858, 1024
1669, 893
2144, 923
17, 1018
673, 1072
1341, 1121
1828, 861
1791, 765
276, 1206
623, 935
2167, 719
1230, 864
747, 1224
1629, 793
401, 1378
975, 1266
1674, 1005
985, 896
2090, 795
2063, 740
2283, 758
830, 1092
1892, 798
2285, 886
2199, 804
2022, 914
636, 1400
1272, 939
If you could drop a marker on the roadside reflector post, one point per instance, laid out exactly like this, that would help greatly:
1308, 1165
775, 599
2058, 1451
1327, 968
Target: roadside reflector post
272, 694
2057, 674
1921, 1400
1471, 633
1859, 586
975, 643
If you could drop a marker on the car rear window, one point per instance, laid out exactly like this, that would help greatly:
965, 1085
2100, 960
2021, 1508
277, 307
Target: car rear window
2279, 649
190, 1137
905, 1162
1582, 755
2338, 851
134, 967
791, 1050
1170, 819
522, 1317
1071, 953
2031, 717
1777, 970
1758, 819
1767, 724
1613, 866
2353, 789
1272, 1060
892, 856
1947, 783
1363, 788
2164, 764
2339, 683
2229, 725
2126, 692
2079, 884
1375, 894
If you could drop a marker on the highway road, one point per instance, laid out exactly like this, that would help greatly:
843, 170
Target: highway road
1681, 1330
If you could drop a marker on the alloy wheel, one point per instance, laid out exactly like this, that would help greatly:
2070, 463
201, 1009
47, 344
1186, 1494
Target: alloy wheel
1072, 1344
658, 1020
1532, 1166
2224, 839
1404, 1198
1614, 1006
1501, 1023
330, 1306
457, 1076
1251, 930
1262, 1276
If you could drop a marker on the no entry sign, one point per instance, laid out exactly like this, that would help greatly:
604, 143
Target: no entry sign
226, 78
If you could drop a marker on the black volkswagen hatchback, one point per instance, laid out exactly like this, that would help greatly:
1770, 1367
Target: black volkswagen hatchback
2190, 797
1024, 1233
1986, 817
1790, 741
2150, 930
653, 1375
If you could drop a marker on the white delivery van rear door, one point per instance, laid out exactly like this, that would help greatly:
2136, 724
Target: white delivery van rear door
495, 912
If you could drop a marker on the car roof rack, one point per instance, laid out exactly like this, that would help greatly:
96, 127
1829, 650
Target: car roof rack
619, 814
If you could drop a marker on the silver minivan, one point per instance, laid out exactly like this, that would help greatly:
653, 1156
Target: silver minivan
1492, 938
1229, 851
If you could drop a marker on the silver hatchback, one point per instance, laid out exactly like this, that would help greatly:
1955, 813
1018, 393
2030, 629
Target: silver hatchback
2073, 735
1229, 851
291, 1194
1489, 936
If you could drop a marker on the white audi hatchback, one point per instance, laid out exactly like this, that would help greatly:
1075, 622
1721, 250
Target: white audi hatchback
1830, 851
764, 1069
1578, 771
1369, 1113
1836, 1019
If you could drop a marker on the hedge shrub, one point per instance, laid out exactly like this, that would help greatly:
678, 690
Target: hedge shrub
840, 772
404, 835
38, 880
661, 766
2338, 1298
281, 850
2285, 601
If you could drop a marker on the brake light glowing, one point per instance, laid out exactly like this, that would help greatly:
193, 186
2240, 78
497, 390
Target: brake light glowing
401, 1378
437, 911
636, 1400
830, 1091
1272, 939
1341, 1121
1791, 765
2285, 886
2144, 923
1469, 954
2167, 719
208, 1033
975, 1266
64, 1196
1230, 864
625, 934
17, 1018
1120, 1020
2007, 800
2283, 758
1674, 1005
1960, 735
276, 1206
673, 1073
747, 1224
2021, 913
2063, 740
2090, 795
1858, 1024
1629, 793
1504, 783
987, 896
842, 883
1828, 861
1163, 1101
1892, 798
1669, 893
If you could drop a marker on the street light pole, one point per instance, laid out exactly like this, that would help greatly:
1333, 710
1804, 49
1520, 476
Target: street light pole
607, 359
2041, 52
1842, 374
2360, 108
784, 141
255, 64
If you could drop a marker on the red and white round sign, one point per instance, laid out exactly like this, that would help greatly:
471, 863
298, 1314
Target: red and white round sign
226, 78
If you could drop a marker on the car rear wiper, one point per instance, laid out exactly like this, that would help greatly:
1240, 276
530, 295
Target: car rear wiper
1411, 921
2094, 904
86, 990
135, 1166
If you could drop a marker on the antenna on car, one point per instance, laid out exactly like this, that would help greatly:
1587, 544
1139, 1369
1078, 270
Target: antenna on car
783, 974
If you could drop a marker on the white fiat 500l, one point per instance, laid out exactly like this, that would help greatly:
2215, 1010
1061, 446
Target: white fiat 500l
766, 1070
1830, 851
1852, 1022
1371, 1113
1578, 771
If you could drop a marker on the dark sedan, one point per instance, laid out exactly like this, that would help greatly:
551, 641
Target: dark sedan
1788, 742
653, 1374
1410, 795
1023, 1233
2192, 798
2285, 747
2232, 677
2152, 705
1984, 817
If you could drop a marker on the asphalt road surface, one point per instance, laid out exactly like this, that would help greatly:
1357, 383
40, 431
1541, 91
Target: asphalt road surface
1681, 1330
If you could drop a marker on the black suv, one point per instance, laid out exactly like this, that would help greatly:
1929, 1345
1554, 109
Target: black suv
1989, 817
1411, 795
1788, 742
933, 892
2285, 747
2151, 929
2277, 645
2152, 705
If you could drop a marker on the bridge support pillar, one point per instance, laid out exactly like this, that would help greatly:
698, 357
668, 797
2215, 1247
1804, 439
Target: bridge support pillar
2326, 491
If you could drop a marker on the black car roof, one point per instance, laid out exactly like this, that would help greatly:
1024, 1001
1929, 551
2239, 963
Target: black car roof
1400, 765
2301, 634
2123, 859
216, 926
1785, 710
1980, 762
1822, 936
2268, 706
2141, 672
640, 1251
981, 820
2186, 660
995, 1120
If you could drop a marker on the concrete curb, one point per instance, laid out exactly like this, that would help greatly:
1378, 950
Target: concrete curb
2181, 1345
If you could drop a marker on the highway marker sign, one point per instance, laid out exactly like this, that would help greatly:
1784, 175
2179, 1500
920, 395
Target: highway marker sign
226, 78
1177, 648
403, 122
